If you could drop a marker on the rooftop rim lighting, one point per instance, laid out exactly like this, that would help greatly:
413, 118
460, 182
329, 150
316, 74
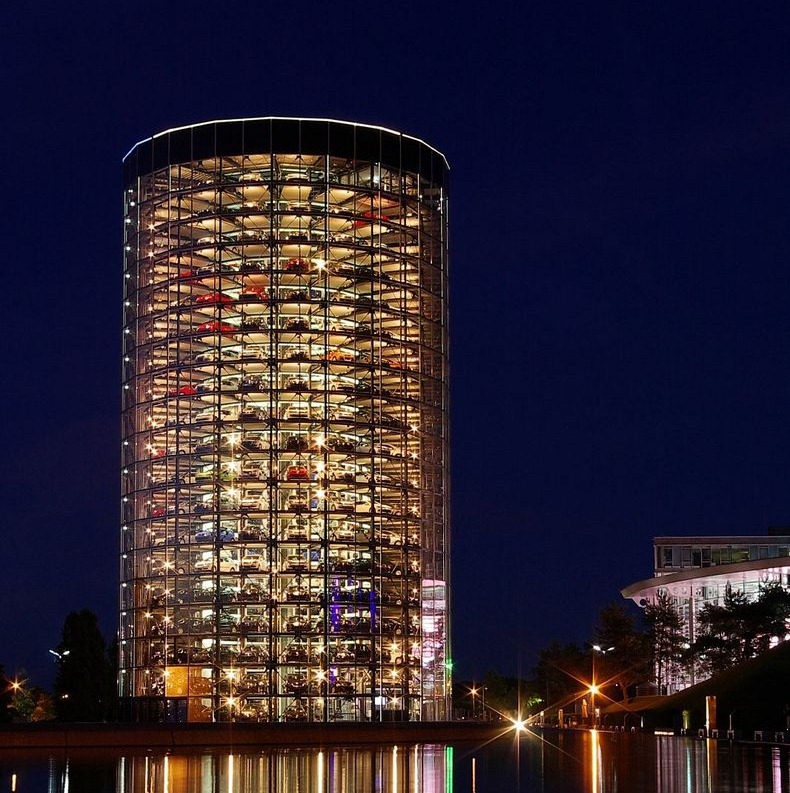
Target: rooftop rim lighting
286, 118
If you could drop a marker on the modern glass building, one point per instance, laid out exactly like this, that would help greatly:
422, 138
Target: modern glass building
285, 530
694, 572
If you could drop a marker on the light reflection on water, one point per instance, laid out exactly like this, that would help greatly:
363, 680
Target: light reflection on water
391, 770
427, 768
563, 762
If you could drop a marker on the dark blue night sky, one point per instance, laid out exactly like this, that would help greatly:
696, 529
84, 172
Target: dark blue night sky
619, 259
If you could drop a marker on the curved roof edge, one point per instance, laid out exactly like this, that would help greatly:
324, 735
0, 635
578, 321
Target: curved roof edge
288, 118
722, 571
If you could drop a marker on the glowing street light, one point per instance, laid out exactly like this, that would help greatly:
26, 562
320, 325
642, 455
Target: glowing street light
59, 656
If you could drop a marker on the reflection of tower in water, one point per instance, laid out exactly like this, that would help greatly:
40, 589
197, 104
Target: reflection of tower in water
385, 770
285, 438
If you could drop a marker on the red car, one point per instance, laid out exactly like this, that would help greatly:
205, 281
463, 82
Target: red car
366, 219
297, 473
254, 292
215, 326
213, 298
297, 266
185, 390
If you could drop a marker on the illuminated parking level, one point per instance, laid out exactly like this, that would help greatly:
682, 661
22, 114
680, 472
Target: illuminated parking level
284, 540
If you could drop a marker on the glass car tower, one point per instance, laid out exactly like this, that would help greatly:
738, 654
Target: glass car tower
284, 532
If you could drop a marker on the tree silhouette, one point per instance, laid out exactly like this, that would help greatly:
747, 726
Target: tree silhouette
6, 697
740, 629
84, 682
625, 660
561, 673
666, 636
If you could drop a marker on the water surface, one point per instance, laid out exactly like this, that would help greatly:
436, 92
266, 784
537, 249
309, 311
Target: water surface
559, 762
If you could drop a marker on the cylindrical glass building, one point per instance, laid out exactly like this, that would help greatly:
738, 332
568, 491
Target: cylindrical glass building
285, 533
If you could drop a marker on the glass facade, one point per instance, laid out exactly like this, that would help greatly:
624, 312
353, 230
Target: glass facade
674, 555
284, 538
696, 572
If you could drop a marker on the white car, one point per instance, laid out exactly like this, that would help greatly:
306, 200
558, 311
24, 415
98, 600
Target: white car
212, 414
345, 532
300, 500
297, 411
296, 563
253, 561
251, 471
211, 355
338, 471
255, 441
366, 447
298, 530
367, 507
255, 500
206, 563
299, 563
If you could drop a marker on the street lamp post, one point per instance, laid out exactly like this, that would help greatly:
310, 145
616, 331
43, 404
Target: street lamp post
59, 656
594, 688
474, 691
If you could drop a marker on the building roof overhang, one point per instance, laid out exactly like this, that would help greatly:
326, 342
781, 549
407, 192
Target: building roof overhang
706, 576
720, 539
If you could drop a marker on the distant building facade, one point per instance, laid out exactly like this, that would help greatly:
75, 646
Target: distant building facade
696, 571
